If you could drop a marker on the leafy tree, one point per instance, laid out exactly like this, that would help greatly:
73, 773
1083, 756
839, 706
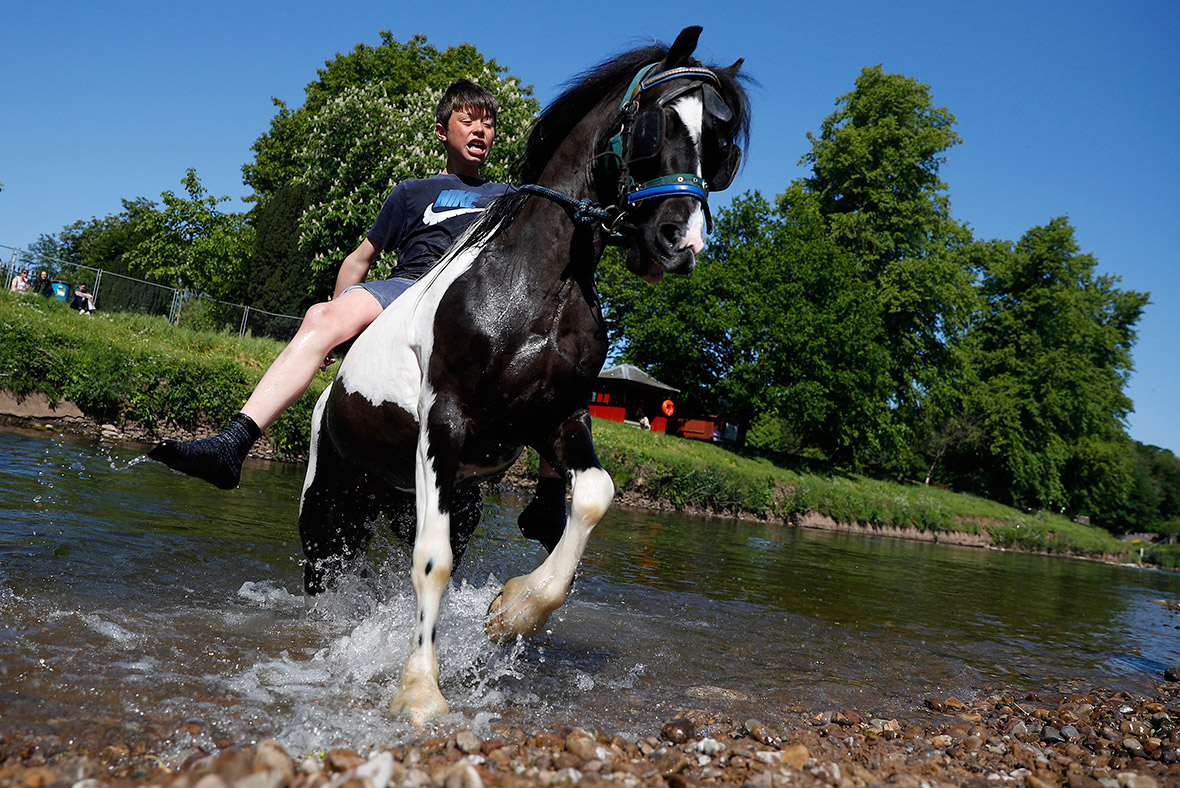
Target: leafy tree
1164, 469
828, 320
1153, 501
98, 243
280, 276
1139, 509
776, 327
365, 125
945, 425
1047, 360
402, 69
192, 244
876, 176
47, 253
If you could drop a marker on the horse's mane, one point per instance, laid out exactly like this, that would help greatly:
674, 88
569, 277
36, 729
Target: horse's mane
581, 95
585, 91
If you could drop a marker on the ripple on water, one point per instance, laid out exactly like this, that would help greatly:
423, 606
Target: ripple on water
128, 592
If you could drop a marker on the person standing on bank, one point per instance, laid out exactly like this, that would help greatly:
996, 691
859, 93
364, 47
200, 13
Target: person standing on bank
421, 219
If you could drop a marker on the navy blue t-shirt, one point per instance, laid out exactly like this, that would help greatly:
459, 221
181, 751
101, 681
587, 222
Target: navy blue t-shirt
422, 218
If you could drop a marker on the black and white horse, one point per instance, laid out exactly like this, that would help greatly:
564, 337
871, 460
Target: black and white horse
498, 347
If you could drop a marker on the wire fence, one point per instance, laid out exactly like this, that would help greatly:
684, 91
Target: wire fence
118, 293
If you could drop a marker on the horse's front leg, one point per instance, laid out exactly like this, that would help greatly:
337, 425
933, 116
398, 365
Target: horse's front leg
418, 695
524, 604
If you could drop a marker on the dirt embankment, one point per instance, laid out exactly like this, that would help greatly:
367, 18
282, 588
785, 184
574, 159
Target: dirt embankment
35, 412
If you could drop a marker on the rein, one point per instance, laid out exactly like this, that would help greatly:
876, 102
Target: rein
618, 147
583, 211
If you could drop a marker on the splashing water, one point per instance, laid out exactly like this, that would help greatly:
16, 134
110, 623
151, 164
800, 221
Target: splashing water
137, 602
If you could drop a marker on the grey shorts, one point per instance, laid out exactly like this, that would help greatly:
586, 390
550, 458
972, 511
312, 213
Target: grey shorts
384, 290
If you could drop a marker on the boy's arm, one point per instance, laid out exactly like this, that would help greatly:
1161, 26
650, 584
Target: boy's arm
356, 266
389, 227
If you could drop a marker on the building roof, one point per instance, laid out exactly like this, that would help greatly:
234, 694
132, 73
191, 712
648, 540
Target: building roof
637, 376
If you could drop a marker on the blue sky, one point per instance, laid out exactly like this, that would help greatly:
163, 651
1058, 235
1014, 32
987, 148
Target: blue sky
1065, 109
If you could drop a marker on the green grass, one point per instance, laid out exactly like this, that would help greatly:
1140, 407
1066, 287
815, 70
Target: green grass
1166, 555
121, 367
704, 476
132, 368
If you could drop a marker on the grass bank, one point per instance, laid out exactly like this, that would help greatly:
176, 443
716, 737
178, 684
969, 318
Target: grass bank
135, 370
128, 369
685, 474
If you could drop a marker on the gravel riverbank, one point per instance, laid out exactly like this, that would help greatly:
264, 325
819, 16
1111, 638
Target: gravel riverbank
1077, 737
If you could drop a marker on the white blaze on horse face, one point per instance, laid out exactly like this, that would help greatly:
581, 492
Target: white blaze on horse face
691, 110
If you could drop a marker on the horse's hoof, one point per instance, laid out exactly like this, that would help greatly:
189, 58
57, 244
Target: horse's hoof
419, 713
495, 624
517, 611
420, 701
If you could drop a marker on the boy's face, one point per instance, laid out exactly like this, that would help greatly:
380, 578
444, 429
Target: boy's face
468, 139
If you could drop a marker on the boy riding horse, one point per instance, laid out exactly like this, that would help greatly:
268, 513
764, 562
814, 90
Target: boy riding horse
420, 219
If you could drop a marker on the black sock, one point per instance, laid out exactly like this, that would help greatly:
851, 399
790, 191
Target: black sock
217, 460
544, 518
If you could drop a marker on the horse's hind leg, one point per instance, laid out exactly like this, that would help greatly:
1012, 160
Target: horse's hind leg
524, 604
466, 511
543, 520
332, 511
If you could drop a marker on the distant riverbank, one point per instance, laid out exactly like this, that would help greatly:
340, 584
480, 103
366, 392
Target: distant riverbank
653, 471
138, 378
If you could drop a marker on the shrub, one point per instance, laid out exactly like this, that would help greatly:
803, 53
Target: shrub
126, 367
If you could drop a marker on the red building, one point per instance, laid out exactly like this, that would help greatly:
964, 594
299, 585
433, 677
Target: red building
628, 394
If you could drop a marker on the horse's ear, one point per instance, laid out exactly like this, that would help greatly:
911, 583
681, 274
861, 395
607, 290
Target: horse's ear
683, 47
733, 70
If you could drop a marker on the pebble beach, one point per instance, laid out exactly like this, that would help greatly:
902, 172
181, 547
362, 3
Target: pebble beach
1077, 737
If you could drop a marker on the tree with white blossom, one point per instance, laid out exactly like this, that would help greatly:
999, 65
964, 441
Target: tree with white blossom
366, 124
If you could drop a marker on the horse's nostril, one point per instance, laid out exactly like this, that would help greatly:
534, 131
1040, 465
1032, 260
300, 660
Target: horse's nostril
671, 233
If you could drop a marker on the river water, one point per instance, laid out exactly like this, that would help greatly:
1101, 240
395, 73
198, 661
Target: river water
135, 601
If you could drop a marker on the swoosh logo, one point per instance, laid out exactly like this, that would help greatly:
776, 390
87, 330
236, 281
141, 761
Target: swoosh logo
433, 217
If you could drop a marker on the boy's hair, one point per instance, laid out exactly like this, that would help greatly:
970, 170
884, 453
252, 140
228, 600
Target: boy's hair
463, 94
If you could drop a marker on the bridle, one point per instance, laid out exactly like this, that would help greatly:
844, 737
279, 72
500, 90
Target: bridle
641, 137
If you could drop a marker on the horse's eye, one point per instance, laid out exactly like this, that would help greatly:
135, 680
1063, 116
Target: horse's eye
729, 159
647, 137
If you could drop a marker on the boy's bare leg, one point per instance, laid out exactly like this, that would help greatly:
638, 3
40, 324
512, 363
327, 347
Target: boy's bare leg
324, 327
218, 460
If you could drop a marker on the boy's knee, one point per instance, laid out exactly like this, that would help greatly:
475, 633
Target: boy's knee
317, 315
329, 325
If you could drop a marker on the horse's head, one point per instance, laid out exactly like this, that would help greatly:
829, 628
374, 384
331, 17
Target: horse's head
638, 143
676, 141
